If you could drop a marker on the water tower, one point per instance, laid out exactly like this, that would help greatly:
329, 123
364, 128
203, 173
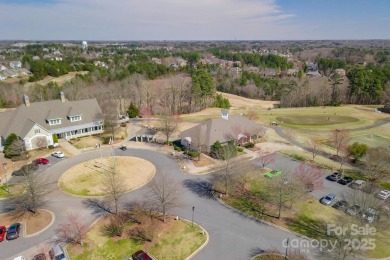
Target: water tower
84, 45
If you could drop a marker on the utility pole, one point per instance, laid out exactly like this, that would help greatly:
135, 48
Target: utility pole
193, 211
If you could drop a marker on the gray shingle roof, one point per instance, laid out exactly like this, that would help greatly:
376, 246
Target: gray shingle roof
221, 129
23, 118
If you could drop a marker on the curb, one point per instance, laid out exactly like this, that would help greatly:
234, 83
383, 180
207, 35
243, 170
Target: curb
53, 218
202, 246
263, 221
105, 196
265, 253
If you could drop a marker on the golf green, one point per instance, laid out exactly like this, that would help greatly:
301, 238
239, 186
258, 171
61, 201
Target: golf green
316, 120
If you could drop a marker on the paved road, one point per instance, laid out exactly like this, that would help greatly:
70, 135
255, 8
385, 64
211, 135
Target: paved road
232, 236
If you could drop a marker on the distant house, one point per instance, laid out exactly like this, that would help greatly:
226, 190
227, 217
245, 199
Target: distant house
2, 67
35, 123
15, 64
252, 69
181, 62
2, 77
311, 66
156, 60
340, 72
313, 74
36, 58
270, 72
223, 129
101, 64
292, 72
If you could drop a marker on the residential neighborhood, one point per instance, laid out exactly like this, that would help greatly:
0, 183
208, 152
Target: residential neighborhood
175, 130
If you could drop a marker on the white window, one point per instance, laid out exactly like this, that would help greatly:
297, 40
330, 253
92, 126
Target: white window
75, 118
37, 131
55, 121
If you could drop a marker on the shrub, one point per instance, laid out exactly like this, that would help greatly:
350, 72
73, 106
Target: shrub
106, 139
177, 148
240, 149
193, 153
51, 147
249, 145
298, 157
55, 138
123, 124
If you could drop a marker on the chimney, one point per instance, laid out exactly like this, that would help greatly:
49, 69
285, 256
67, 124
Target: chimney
225, 114
26, 100
62, 96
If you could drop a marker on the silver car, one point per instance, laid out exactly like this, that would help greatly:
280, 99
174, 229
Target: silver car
327, 200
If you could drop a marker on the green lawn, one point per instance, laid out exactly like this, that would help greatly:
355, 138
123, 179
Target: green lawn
13, 190
316, 120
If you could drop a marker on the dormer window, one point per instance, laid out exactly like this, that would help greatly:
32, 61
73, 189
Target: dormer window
75, 118
55, 121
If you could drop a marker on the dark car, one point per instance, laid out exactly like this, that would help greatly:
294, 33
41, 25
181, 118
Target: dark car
13, 231
345, 180
40, 256
41, 161
141, 255
3, 230
353, 210
335, 176
341, 205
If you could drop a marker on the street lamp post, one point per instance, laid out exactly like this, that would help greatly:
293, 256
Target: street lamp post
286, 256
5, 174
193, 211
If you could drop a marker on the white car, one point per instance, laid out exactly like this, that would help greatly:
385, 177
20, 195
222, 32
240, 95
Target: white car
383, 194
58, 154
370, 215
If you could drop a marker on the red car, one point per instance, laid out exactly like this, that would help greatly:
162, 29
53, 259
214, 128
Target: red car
3, 230
41, 161
141, 255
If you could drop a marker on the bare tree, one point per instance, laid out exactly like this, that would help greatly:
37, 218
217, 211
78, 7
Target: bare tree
168, 125
164, 194
41, 142
265, 158
72, 230
282, 192
35, 195
314, 146
340, 139
252, 115
113, 186
377, 161
116, 224
311, 177
110, 114
228, 166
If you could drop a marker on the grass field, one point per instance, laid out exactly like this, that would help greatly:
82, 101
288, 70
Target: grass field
13, 190
315, 120
175, 240
87, 178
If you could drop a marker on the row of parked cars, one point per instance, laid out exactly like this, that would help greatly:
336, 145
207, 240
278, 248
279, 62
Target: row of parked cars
11, 233
369, 214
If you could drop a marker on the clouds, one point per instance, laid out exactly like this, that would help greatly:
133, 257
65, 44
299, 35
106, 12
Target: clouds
145, 20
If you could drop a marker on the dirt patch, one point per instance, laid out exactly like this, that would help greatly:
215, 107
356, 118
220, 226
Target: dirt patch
241, 102
86, 179
33, 222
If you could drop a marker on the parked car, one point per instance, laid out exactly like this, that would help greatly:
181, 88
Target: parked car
327, 200
3, 230
25, 169
57, 253
353, 210
272, 174
40, 256
141, 255
358, 184
19, 258
345, 180
383, 194
370, 215
58, 154
341, 205
13, 231
41, 161
335, 176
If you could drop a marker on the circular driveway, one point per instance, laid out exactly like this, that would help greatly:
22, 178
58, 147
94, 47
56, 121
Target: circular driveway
232, 236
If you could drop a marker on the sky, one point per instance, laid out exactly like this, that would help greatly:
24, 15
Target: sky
194, 19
